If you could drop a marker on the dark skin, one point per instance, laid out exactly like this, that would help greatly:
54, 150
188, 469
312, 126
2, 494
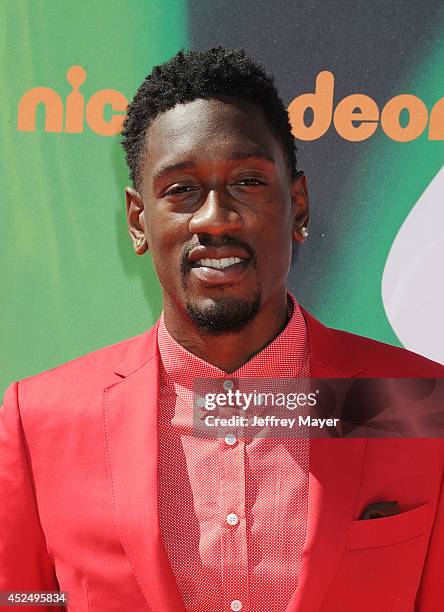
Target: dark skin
213, 172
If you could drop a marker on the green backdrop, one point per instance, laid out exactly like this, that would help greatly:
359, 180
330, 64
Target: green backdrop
71, 282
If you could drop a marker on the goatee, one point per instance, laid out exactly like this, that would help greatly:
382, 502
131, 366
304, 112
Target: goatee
224, 315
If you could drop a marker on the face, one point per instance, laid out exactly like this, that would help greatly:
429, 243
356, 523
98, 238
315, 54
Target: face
218, 211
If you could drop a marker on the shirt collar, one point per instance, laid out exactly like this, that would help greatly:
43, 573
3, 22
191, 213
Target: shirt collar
284, 357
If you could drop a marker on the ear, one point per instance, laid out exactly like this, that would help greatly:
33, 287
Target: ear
300, 207
135, 220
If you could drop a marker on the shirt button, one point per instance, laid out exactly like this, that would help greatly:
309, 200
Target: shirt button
236, 605
200, 402
230, 439
232, 519
228, 384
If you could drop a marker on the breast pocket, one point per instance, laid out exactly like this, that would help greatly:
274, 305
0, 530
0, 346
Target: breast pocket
389, 530
382, 563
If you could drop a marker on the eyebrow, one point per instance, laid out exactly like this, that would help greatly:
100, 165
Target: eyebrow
234, 156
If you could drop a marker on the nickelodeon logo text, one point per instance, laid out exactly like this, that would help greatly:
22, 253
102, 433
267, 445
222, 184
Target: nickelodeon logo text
70, 117
355, 118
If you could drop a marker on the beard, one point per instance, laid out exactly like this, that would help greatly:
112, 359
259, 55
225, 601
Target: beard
224, 315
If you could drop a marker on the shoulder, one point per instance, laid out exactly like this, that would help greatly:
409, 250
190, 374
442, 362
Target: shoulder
89, 372
380, 359
341, 352
90, 362
70, 395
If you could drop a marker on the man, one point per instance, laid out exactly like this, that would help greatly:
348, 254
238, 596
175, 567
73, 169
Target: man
108, 495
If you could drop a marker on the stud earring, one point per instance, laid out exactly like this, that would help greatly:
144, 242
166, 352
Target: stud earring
304, 232
138, 242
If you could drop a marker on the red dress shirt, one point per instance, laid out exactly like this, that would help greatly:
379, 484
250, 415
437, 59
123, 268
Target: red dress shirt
233, 512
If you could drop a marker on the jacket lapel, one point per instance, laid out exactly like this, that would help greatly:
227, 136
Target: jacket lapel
330, 357
335, 473
131, 441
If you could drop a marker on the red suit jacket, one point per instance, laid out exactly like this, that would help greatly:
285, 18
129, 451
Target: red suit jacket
78, 490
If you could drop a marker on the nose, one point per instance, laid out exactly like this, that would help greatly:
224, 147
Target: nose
215, 216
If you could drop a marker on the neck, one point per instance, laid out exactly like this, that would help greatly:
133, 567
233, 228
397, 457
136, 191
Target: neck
229, 351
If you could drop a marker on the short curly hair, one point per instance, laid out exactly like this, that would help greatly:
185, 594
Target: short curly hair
205, 74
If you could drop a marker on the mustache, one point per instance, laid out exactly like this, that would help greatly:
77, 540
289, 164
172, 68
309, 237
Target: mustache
211, 241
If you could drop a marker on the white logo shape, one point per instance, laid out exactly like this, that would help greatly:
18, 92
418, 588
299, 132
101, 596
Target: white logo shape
413, 278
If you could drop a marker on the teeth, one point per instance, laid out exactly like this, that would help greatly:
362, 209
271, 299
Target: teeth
219, 263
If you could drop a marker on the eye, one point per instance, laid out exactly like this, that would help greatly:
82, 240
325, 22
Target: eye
180, 189
249, 181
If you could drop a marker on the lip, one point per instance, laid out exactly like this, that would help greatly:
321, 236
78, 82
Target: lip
222, 276
203, 252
